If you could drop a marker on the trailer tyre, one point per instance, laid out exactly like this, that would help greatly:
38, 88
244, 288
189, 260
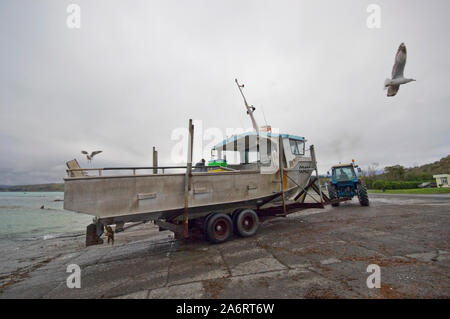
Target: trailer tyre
362, 194
332, 193
246, 223
234, 216
219, 228
205, 224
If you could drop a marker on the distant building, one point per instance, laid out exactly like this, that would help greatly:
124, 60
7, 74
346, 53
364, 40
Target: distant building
442, 180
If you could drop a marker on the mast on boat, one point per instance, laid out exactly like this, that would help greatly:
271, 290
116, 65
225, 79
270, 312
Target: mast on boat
250, 110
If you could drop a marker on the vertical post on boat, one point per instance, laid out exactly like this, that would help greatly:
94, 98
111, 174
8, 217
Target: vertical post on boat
187, 179
313, 159
155, 160
280, 154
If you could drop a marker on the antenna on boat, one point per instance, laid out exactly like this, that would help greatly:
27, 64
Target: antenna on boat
250, 109
264, 115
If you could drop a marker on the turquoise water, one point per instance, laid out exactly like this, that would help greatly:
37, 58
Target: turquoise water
21, 216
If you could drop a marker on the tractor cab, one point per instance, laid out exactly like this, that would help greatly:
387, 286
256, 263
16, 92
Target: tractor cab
344, 173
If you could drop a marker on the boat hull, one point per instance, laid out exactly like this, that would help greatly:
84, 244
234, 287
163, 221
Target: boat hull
161, 196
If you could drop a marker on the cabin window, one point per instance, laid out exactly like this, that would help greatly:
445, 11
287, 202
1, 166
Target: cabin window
344, 174
232, 157
297, 147
265, 152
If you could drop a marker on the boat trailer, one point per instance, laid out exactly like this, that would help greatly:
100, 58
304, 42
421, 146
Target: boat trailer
273, 208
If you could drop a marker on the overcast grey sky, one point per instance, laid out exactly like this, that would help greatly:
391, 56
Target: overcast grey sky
137, 70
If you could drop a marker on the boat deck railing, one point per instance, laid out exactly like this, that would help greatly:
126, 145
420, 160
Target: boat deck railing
155, 169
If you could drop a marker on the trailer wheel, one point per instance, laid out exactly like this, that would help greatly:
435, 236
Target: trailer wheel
234, 215
246, 223
332, 193
362, 194
205, 224
219, 228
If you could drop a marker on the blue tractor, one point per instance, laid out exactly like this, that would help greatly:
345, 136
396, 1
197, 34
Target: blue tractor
345, 183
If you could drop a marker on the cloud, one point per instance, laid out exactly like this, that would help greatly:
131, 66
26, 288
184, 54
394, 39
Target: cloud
135, 72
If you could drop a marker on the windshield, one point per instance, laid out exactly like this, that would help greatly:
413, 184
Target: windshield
344, 174
297, 147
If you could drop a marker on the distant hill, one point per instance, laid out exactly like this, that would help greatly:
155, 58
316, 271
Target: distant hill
54, 187
398, 173
424, 172
439, 167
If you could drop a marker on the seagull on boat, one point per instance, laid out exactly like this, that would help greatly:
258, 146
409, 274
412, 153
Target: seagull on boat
90, 156
393, 85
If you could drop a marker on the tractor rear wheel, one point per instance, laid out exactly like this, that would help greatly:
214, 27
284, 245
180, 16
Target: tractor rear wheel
362, 194
219, 228
332, 193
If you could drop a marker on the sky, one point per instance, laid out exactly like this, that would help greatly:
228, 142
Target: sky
135, 72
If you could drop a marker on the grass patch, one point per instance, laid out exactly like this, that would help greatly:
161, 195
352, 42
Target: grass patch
442, 190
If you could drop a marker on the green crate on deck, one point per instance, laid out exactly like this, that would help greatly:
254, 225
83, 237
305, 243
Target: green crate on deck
218, 162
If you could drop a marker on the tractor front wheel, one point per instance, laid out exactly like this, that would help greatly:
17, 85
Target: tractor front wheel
362, 194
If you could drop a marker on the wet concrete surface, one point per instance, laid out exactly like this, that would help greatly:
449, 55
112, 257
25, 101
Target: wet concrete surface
318, 253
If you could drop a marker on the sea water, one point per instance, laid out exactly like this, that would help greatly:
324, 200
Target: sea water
22, 218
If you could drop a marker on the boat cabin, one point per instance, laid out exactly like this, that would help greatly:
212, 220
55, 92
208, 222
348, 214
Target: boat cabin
258, 151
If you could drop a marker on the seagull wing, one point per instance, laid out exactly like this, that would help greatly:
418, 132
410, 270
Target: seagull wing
84, 152
95, 153
400, 61
392, 90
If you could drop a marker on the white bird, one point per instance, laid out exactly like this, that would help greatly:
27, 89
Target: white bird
393, 85
90, 156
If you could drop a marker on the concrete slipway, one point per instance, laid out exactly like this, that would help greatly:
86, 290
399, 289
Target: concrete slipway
318, 253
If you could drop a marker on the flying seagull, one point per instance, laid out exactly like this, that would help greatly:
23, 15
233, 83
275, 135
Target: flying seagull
393, 85
90, 156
